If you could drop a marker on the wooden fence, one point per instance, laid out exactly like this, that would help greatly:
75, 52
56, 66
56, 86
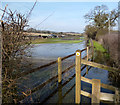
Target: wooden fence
59, 76
79, 67
96, 95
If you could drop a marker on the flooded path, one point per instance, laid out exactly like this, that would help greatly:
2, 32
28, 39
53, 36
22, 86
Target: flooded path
50, 93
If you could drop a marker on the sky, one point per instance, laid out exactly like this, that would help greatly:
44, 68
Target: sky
57, 16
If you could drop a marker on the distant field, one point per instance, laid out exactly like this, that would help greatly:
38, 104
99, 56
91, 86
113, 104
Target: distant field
54, 40
37, 34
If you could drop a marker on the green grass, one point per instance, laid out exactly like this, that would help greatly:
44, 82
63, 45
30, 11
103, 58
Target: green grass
54, 40
98, 46
101, 55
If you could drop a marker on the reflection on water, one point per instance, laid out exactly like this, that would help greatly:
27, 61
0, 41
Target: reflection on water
52, 92
47, 51
98, 74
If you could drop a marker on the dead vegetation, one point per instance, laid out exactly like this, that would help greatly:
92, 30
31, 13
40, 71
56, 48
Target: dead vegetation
14, 45
111, 43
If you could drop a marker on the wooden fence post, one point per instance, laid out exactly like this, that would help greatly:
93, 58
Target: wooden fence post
78, 77
96, 85
59, 70
87, 59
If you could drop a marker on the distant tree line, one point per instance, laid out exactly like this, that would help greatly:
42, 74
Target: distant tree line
49, 32
101, 21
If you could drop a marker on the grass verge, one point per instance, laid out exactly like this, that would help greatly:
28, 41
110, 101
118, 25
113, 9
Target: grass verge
101, 55
98, 46
54, 40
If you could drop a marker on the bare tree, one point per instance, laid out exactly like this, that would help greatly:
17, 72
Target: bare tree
101, 19
14, 45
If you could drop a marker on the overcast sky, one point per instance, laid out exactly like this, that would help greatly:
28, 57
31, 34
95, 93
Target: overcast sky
62, 16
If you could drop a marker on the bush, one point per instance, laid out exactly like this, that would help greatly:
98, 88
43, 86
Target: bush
110, 42
14, 45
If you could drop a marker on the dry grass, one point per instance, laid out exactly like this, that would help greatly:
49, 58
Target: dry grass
110, 42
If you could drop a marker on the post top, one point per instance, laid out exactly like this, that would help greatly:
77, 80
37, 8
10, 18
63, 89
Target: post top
59, 57
78, 50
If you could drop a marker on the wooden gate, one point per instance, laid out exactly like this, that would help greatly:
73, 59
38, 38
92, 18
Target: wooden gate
96, 95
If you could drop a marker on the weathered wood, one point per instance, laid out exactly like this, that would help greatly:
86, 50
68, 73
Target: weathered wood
78, 77
87, 59
31, 71
59, 70
67, 56
46, 65
103, 96
83, 79
84, 93
106, 96
37, 69
108, 87
83, 49
112, 69
95, 91
116, 100
102, 85
43, 66
78, 74
86, 80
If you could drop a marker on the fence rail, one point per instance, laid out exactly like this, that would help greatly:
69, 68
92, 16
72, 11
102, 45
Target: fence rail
59, 75
96, 95
96, 84
78, 67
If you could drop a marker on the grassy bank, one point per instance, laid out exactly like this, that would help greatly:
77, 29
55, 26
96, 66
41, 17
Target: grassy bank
101, 55
54, 40
99, 47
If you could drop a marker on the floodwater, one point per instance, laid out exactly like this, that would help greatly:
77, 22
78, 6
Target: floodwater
52, 92
45, 53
